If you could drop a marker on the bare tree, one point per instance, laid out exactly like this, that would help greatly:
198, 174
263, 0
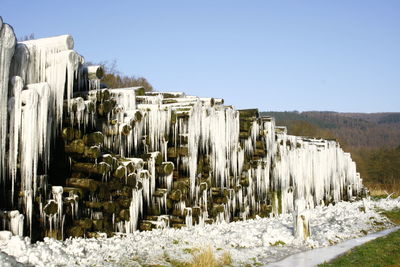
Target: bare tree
26, 37
113, 78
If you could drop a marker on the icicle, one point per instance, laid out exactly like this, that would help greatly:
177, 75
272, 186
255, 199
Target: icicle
255, 131
220, 218
57, 192
161, 200
29, 151
44, 121
301, 220
151, 164
188, 218
193, 143
167, 181
53, 61
349, 192
204, 198
20, 61
77, 111
73, 199
135, 209
125, 97
98, 215
16, 223
275, 204
202, 218
94, 74
144, 177
29, 208
7, 47
157, 124
180, 206
14, 108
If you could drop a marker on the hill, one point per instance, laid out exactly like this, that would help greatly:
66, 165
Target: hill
372, 138
354, 130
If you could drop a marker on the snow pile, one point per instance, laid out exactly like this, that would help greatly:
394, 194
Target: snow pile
261, 240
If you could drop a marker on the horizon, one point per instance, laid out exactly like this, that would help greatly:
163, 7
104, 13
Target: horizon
272, 56
330, 111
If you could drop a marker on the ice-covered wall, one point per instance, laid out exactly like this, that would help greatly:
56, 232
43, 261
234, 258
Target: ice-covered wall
36, 76
177, 160
137, 160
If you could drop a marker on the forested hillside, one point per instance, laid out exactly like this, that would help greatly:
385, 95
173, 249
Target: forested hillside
356, 130
372, 138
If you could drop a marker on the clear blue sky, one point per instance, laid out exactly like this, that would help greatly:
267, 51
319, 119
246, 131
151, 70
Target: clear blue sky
339, 55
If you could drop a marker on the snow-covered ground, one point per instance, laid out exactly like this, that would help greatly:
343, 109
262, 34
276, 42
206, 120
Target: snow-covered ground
253, 242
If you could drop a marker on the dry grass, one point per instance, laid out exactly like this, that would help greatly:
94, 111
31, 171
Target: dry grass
206, 258
384, 190
225, 259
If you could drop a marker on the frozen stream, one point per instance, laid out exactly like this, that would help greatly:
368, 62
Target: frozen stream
255, 242
317, 256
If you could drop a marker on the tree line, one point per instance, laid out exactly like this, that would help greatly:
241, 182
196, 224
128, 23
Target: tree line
115, 79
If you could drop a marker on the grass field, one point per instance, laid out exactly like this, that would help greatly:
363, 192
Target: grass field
383, 251
384, 190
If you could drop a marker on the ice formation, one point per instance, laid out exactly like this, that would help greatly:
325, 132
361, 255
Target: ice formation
7, 47
301, 219
131, 159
